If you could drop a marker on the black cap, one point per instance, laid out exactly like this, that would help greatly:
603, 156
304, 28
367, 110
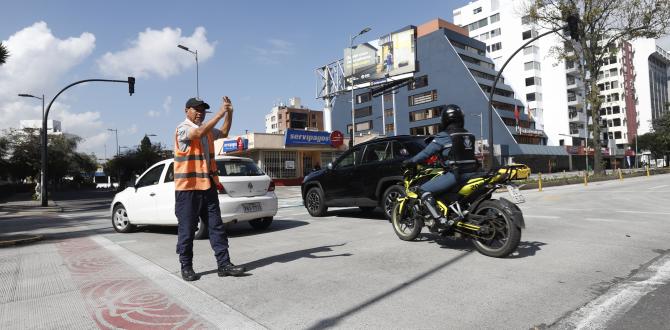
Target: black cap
194, 102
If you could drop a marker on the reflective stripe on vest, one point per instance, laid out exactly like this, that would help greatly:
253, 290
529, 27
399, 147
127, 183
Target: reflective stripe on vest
191, 169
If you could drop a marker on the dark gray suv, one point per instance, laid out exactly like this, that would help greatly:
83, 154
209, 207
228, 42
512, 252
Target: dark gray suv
368, 175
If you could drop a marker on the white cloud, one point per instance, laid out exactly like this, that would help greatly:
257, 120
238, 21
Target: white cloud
153, 114
274, 52
167, 104
155, 53
130, 130
38, 63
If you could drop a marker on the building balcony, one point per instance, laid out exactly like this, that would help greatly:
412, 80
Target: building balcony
577, 117
575, 101
572, 70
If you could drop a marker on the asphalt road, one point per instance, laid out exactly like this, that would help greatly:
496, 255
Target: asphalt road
590, 257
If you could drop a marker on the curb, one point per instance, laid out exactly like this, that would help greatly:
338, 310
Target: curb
19, 239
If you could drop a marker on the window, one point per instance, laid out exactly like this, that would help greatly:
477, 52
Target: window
422, 98
528, 34
279, 116
617, 135
486, 76
476, 25
377, 152
424, 114
495, 47
364, 126
238, 167
424, 130
388, 113
526, 20
390, 127
362, 98
363, 112
418, 83
494, 18
532, 65
349, 159
616, 109
616, 122
531, 50
388, 101
275, 164
169, 176
530, 97
150, 178
477, 10
495, 32
483, 36
530, 81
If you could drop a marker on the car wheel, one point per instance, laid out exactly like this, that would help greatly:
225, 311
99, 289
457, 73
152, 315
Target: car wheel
261, 224
201, 231
390, 197
314, 202
120, 220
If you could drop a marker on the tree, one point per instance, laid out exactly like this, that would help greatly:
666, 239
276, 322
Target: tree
4, 54
604, 25
657, 141
134, 162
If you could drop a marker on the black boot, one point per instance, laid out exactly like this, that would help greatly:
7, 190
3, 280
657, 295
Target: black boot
431, 205
231, 270
188, 274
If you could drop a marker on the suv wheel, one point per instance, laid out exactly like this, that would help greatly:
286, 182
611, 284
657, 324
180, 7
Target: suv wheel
201, 232
390, 197
315, 203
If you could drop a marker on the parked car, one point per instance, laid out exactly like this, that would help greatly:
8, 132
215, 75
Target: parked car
248, 195
368, 175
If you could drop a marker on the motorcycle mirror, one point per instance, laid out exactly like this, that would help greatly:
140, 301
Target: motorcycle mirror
404, 152
330, 166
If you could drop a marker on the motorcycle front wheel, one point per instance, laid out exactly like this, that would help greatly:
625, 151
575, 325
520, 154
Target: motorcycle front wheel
408, 224
502, 236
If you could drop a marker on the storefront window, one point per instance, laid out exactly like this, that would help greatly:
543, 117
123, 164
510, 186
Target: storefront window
280, 164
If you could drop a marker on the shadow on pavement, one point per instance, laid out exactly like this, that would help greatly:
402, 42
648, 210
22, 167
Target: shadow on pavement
241, 229
357, 213
527, 249
292, 256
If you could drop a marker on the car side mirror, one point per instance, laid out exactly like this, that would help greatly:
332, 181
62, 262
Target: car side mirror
404, 152
329, 166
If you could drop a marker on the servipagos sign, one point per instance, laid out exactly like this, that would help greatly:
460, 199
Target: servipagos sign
301, 137
238, 144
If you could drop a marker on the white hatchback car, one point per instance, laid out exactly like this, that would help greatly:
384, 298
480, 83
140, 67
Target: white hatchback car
248, 196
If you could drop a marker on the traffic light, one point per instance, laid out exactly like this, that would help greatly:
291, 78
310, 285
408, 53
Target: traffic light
131, 85
573, 26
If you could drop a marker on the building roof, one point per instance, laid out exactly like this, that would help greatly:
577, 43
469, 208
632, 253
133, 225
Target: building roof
532, 149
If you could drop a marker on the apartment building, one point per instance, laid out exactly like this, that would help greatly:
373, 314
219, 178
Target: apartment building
293, 116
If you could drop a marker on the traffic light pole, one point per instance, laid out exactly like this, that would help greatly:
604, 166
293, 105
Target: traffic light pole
43, 192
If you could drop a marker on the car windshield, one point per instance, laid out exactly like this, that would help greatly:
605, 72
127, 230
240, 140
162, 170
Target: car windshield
238, 167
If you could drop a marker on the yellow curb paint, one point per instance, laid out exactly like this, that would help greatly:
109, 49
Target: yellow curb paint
539, 182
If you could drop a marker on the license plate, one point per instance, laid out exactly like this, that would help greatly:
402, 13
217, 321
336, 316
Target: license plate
515, 194
252, 207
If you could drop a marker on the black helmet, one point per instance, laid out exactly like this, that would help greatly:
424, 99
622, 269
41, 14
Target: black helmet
451, 115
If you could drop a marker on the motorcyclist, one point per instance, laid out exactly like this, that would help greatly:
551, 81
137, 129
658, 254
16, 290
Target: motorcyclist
455, 148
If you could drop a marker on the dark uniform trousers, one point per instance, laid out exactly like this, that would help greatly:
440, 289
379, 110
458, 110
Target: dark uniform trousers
190, 206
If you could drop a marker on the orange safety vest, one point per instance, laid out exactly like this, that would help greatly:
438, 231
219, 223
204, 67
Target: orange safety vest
191, 171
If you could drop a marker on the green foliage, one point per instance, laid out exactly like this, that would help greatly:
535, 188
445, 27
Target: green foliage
4, 54
134, 162
20, 156
658, 141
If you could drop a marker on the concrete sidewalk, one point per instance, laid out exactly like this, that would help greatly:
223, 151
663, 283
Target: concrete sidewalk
90, 282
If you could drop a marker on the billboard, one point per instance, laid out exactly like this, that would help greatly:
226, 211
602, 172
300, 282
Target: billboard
390, 55
301, 137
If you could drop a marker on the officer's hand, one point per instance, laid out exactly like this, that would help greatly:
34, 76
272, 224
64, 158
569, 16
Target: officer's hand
227, 104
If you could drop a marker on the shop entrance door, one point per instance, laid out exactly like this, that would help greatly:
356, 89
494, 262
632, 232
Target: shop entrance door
306, 164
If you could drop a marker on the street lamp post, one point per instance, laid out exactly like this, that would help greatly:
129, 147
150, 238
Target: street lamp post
43, 134
351, 61
197, 75
116, 132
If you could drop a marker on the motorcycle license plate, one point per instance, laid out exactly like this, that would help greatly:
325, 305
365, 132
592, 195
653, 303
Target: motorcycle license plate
252, 207
515, 194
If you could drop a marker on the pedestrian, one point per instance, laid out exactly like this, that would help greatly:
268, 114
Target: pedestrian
196, 183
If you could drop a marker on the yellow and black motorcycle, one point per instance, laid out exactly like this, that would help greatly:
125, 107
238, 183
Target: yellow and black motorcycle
494, 225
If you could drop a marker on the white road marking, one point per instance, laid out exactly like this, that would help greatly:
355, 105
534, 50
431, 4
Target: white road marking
620, 298
608, 220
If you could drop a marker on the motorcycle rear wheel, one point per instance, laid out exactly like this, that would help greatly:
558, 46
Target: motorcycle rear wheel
505, 236
407, 226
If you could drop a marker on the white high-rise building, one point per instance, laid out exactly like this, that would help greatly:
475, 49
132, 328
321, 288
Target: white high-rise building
633, 83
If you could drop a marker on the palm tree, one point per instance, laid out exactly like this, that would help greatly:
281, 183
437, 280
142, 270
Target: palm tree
4, 54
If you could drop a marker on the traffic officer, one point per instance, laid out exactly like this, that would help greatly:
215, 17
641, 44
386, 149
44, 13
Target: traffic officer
196, 182
455, 147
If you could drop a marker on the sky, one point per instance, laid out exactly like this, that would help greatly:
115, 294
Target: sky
258, 53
